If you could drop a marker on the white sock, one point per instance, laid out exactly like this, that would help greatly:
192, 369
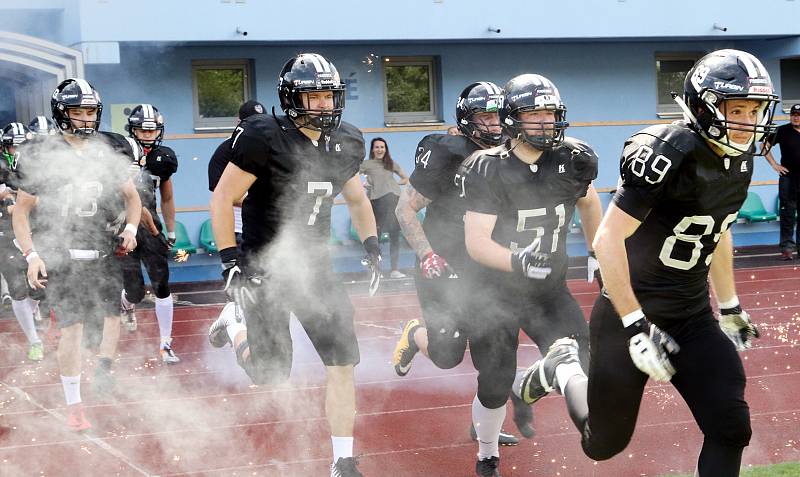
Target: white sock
488, 423
564, 372
72, 389
234, 329
24, 314
342, 447
3, 285
124, 300
164, 317
517, 386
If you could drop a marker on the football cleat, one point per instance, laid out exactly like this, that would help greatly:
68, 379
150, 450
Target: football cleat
397, 274
405, 349
36, 352
505, 438
168, 356
540, 378
345, 467
488, 467
76, 420
523, 416
218, 331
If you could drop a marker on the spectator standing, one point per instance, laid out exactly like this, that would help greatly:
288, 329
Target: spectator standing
788, 138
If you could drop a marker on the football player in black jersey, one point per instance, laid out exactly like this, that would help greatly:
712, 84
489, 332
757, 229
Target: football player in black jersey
75, 187
291, 168
158, 163
665, 234
439, 240
24, 301
520, 198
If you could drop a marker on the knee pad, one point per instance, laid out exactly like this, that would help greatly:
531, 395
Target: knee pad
258, 372
134, 295
446, 350
493, 391
161, 290
731, 428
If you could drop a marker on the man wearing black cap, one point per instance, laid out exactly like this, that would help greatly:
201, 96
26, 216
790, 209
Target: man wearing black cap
788, 137
223, 155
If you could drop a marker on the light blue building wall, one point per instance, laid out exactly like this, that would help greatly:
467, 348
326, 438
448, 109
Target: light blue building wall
601, 54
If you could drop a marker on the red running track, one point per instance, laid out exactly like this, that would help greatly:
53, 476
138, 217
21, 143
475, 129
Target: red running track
202, 416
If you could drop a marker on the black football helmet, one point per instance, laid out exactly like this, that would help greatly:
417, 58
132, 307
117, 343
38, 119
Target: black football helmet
305, 73
530, 92
43, 125
75, 93
722, 75
481, 97
146, 117
12, 136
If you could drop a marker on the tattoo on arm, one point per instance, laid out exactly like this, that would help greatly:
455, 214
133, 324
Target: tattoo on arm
410, 203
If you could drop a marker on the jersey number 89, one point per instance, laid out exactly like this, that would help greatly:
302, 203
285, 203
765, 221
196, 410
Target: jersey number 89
695, 241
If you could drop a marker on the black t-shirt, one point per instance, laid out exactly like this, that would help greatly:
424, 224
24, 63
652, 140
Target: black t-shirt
788, 138
530, 201
219, 160
435, 176
685, 197
296, 178
158, 165
80, 203
8, 176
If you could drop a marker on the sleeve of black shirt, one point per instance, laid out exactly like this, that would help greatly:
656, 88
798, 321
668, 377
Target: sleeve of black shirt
216, 165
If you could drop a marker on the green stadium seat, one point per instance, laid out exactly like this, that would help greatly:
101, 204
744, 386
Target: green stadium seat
182, 240
207, 238
753, 210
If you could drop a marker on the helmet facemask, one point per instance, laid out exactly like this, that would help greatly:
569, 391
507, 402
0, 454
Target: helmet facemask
549, 134
716, 127
478, 131
78, 127
324, 120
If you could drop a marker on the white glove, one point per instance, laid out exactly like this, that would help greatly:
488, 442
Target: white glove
650, 348
736, 325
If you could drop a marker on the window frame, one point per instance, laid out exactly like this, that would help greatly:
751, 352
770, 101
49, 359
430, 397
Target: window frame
786, 102
227, 123
664, 110
433, 115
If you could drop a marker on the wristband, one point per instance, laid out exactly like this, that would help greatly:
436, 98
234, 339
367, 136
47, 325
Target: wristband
632, 317
31, 255
130, 228
171, 235
230, 254
732, 303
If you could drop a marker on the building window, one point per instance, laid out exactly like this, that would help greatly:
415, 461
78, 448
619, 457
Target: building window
671, 70
219, 87
790, 83
410, 87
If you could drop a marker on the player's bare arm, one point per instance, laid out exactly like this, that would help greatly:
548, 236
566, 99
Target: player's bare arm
20, 221
148, 223
609, 245
721, 269
478, 230
133, 214
167, 204
360, 208
591, 212
409, 204
233, 184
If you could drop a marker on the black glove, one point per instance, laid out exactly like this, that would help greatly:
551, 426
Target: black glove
238, 287
531, 263
650, 347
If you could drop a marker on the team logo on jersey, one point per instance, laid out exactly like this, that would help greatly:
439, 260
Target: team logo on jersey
743, 167
562, 168
337, 147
